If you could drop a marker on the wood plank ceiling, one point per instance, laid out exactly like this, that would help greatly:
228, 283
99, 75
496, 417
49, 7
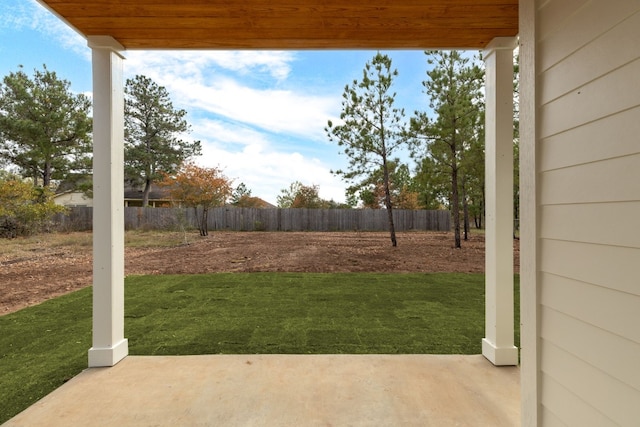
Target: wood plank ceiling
292, 24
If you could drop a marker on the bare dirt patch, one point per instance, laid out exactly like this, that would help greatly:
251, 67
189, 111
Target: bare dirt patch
34, 271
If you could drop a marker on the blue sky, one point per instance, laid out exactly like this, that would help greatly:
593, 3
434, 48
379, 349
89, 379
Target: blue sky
260, 115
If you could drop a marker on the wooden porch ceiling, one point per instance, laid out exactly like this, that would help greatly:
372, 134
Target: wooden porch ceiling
292, 24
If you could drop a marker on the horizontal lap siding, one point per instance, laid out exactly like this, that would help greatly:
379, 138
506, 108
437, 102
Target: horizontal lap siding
549, 419
589, 211
610, 354
561, 403
618, 134
605, 394
568, 222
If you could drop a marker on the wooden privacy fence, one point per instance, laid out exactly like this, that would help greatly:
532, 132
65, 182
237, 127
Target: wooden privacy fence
261, 219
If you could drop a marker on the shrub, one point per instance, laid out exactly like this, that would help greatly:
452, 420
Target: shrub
25, 209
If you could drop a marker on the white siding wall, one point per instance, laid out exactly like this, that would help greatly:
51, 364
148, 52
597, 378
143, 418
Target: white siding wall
588, 160
72, 199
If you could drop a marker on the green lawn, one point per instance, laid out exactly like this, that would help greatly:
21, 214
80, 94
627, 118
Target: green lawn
42, 347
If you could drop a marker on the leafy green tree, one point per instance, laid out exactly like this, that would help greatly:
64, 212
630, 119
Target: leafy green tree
45, 129
454, 89
298, 195
372, 129
332, 204
372, 190
24, 209
288, 195
308, 197
472, 181
241, 192
430, 183
152, 134
471, 172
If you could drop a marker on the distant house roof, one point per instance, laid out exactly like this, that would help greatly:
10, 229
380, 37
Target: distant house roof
74, 183
156, 193
261, 203
252, 202
266, 204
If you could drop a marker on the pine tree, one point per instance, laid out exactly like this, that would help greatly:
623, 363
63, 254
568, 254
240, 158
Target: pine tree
152, 130
372, 130
45, 129
453, 87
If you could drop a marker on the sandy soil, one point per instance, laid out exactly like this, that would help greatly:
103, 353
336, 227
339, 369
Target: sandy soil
53, 270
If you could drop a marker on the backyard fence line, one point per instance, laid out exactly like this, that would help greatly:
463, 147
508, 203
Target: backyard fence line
265, 219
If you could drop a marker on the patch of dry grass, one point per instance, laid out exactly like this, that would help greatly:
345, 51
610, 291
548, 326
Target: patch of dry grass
154, 239
80, 242
27, 247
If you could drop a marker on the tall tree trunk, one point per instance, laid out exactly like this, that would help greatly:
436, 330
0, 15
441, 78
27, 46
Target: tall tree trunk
455, 201
199, 221
204, 229
516, 214
465, 210
145, 194
392, 229
46, 174
455, 206
388, 205
482, 205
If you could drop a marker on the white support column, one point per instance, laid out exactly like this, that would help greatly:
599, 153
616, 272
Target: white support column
109, 344
497, 346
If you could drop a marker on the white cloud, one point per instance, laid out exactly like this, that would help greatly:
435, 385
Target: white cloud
32, 15
239, 136
274, 63
249, 156
236, 122
270, 109
232, 97
197, 80
266, 173
191, 63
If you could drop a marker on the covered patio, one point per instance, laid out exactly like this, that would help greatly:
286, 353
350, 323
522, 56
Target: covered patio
112, 28
285, 390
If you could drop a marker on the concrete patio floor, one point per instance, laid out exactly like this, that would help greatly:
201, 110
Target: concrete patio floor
285, 390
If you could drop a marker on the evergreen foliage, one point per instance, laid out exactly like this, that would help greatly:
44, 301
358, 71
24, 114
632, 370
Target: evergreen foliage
153, 128
45, 129
372, 129
454, 139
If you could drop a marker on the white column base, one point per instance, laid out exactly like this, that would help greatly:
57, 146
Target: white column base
500, 356
108, 356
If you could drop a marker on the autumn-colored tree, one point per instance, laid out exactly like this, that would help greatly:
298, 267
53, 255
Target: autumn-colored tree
372, 188
403, 198
406, 199
250, 202
242, 198
308, 197
199, 188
